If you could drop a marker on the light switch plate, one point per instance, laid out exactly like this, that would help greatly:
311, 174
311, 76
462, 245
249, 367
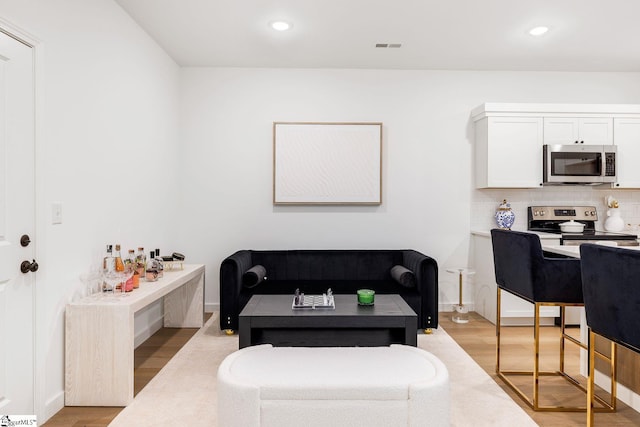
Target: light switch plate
56, 213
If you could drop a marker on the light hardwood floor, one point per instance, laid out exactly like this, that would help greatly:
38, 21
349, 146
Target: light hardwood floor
476, 337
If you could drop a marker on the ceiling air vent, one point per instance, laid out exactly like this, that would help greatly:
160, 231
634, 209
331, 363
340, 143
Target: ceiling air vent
389, 45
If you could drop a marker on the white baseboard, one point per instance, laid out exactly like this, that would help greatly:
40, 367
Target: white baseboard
210, 307
53, 406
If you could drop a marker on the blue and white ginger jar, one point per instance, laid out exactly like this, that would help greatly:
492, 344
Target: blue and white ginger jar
505, 216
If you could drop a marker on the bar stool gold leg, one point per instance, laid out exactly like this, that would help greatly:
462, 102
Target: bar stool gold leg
591, 379
534, 400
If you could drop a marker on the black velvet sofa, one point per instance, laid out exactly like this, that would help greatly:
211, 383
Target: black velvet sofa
412, 275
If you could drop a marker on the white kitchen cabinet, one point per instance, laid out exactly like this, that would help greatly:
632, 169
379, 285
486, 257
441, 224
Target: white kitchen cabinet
508, 152
578, 130
627, 140
509, 139
514, 310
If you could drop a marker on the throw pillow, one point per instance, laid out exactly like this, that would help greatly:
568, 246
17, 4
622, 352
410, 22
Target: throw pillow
253, 276
404, 276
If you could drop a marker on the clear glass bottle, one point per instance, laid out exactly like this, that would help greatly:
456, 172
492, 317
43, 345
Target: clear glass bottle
141, 260
129, 260
108, 265
151, 273
160, 264
130, 266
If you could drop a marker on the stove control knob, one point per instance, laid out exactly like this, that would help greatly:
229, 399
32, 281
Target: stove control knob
541, 213
593, 213
587, 213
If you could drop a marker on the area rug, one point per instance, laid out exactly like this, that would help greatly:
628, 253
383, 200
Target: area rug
183, 393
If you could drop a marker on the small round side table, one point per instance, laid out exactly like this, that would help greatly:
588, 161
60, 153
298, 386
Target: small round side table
460, 311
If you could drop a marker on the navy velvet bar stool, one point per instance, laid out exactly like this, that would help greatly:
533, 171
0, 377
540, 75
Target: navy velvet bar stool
611, 286
522, 269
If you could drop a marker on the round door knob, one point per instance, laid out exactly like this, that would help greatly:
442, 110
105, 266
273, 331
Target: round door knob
25, 240
27, 266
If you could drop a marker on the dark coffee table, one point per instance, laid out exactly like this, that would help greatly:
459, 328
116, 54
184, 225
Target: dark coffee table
269, 319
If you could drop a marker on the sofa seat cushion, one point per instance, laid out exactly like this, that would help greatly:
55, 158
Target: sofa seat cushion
345, 373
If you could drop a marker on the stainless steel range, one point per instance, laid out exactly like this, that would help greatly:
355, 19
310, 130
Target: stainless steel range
549, 218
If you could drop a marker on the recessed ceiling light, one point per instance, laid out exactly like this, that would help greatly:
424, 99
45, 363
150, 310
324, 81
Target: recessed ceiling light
538, 31
280, 25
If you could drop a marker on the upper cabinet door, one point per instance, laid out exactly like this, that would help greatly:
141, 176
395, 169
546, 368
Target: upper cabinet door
509, 152
561, 130
627, 140
573, 130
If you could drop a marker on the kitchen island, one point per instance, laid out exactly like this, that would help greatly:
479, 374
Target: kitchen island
628, 361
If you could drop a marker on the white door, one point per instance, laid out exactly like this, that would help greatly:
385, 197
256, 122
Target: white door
17, 218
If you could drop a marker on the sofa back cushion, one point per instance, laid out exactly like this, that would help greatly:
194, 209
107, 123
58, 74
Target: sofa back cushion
328, 264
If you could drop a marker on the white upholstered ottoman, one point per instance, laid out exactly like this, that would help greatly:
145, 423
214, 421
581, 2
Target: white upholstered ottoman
332, 386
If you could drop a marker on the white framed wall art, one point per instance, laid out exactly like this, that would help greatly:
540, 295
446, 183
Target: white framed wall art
327, 163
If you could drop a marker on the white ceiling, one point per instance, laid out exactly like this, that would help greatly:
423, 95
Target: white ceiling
585, 35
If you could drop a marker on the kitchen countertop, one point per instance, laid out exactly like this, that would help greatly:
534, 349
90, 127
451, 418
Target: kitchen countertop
543, 235
574, 251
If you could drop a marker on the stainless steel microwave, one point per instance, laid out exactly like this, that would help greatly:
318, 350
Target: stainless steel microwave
579, 164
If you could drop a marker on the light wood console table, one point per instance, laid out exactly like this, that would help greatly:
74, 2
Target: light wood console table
99, 335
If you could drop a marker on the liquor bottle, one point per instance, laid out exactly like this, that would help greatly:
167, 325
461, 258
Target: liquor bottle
119, 263
160, 264
129, 260
141, 260
108, 265
152, 268
130, 266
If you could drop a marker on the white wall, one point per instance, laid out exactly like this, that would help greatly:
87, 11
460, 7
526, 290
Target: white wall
112, 150
226, 127
107, 150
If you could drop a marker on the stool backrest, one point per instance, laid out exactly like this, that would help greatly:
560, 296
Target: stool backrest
513, 258
522, 269
611, 286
